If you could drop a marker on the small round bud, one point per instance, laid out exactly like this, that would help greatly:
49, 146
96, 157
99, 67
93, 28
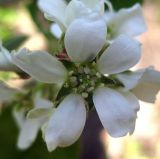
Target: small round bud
98, 75
85, 95
90, 89
87, 70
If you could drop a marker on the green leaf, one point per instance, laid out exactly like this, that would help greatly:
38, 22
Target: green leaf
124, 3
14, 42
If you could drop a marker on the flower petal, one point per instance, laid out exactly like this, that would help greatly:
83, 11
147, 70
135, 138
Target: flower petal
28, 133
132, 99
28, 129
40, 65
130, 79
56, 30
121, 55
5, 60
115, 111
128, 21
66, 124
42, 108
85, 38
148, 86
134, 103
55, 9
75, 9
39, 113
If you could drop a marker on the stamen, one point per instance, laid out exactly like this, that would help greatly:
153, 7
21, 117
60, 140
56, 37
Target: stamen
90, 89
83, 80
86, 70
85, 95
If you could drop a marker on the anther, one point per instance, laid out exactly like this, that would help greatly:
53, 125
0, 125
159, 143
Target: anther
90, 89
81, 70
85, 95
98, 75
86, 70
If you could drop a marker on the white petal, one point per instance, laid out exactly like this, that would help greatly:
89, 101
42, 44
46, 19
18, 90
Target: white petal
28, 129
56, 30
121, 55
66, 124
54, 9
85, 38
37, 113
40, 65
128, 21
130, 79
42, 109
148, 86
151, 75
134, 103
6, 92
132, 99
115, 111
75, 9
28, 133
146, 92
108, 16
5, 60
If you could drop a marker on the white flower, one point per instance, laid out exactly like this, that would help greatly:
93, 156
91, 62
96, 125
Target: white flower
144, 83
128, 21
64, 14
85, 81
30, 125
117, 109
46, 68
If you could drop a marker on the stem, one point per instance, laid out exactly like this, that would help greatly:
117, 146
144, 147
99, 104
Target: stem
91, 145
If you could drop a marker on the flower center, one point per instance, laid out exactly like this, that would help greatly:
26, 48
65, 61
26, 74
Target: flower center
83, 80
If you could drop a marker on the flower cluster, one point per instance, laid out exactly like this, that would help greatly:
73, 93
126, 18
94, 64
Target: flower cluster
92, 71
